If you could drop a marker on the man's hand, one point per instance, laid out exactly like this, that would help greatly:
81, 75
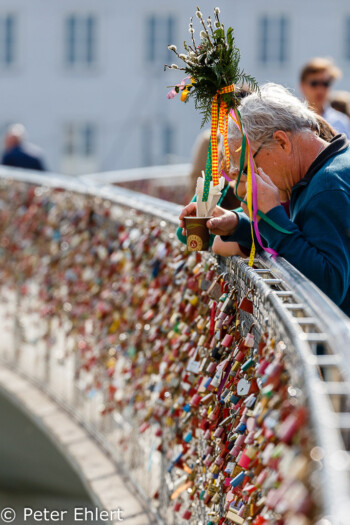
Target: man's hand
189, 211
267, 193
223, 223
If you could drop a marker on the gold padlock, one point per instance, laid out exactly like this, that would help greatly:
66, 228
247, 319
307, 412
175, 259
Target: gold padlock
235, 367
216, 498
215, 469
228, 306
233, 516
251, 452
214, 290
252, 509
237, 470
246, 513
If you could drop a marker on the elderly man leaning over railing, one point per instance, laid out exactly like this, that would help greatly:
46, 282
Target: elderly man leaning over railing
303, 186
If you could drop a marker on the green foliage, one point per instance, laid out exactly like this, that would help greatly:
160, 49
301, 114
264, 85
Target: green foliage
213, 64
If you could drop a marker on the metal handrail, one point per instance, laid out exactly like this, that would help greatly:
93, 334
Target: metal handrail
296, 302
121, 196
128, 175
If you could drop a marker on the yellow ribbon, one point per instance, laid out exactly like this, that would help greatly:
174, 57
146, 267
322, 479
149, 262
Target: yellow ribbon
223, 125
250, 206
223, 128
249, 187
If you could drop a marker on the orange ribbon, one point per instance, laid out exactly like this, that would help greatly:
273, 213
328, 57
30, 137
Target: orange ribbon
181, 489
223, 128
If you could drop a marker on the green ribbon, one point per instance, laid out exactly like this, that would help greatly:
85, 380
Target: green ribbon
207, 179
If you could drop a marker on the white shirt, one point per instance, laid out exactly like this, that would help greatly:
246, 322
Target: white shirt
339, 121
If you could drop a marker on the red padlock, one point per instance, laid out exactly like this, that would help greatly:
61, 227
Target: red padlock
186, 515
244, 460
195, 400
227, 340
246, 305
177, 506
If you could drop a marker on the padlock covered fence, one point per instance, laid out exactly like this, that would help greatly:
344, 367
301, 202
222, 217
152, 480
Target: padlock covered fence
221, 391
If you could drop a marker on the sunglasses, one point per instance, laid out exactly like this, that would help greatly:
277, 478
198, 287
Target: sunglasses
320, 83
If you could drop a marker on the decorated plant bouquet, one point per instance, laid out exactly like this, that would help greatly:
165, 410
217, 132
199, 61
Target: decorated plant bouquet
213, 80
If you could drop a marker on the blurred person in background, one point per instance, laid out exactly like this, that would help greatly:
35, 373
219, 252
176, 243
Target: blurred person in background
316, 79
19, 153
340, 100
200, 153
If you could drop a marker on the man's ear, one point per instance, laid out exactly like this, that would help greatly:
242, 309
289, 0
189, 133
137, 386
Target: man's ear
283, 140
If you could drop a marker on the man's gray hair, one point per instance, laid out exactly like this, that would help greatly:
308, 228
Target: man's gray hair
274, 108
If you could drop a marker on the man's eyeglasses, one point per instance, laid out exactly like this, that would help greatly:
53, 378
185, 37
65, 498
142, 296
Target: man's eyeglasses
259, 148
320, 83
244, 171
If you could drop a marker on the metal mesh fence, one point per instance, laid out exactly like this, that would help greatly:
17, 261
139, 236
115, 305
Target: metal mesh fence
221, 390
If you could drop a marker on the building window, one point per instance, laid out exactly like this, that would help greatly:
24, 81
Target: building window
147, 143
273, 39
79, 140
168, 141
160, 32
81, 40
80, 155
157, 143
7, 40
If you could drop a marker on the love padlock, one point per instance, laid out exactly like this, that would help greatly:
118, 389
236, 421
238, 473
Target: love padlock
246, 305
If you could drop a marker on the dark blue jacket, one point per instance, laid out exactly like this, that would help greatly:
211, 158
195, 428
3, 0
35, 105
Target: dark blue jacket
319, 245
24, 156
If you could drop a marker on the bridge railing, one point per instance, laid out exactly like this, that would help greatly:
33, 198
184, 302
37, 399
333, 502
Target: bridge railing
170, 182
149, 348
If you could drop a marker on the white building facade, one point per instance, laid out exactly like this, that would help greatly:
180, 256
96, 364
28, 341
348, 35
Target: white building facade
86, 77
